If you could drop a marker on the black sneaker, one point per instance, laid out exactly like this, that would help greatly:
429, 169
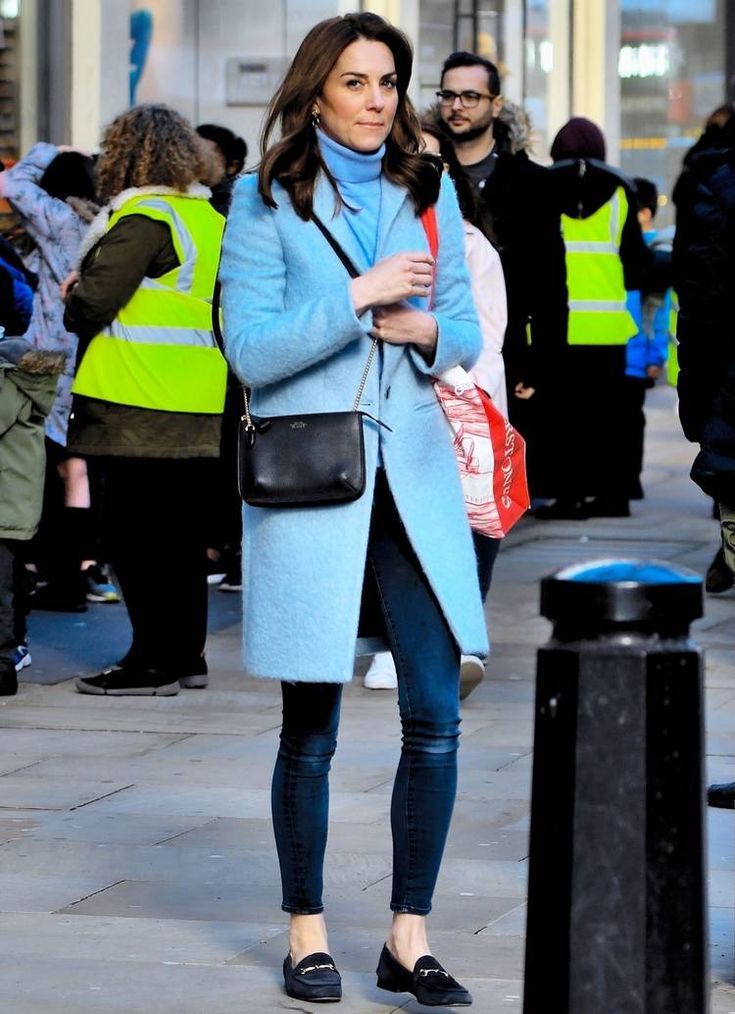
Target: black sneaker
195, 678
129, 682
232, 581
99, 587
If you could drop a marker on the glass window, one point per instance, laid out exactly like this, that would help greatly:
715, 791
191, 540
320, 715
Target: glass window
672, 76
9, 70
538, 65
474, 25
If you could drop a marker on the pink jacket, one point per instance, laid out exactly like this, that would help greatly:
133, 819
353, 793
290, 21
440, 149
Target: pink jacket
488, 290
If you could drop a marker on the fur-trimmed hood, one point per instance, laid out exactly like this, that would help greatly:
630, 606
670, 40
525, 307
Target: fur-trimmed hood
19, 354
98, 226
32, 371
516, 124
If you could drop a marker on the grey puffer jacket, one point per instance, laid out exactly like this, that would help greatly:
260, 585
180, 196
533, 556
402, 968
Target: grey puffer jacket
28, 380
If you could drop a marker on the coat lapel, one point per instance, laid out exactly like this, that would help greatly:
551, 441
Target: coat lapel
324, 207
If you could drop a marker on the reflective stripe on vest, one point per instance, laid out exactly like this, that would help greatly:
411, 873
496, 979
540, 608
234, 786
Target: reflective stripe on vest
160, 351
598, 313
672, 363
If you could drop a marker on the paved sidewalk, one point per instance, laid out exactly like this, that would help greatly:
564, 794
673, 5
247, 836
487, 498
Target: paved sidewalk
137, 870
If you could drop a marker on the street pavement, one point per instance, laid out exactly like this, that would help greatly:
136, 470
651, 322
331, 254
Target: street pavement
137, 868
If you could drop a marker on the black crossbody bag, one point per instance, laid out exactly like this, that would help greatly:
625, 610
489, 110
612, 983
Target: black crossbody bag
311, 459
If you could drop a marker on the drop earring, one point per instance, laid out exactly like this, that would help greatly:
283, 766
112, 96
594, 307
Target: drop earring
315, 118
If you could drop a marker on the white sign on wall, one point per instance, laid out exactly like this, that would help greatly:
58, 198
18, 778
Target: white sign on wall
252, 81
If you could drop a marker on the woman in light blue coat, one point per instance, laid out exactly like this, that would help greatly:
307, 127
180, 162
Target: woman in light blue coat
297, 332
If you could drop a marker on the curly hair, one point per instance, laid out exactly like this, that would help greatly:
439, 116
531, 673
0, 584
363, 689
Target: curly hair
149, 145
295, 160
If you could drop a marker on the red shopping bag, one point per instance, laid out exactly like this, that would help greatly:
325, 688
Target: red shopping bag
491, 455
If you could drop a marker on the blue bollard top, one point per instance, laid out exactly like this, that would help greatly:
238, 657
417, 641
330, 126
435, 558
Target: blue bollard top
601, 595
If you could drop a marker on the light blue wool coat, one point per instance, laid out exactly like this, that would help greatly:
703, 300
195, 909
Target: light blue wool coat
291, 334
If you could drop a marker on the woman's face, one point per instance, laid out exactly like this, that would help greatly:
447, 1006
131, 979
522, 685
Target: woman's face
359, 99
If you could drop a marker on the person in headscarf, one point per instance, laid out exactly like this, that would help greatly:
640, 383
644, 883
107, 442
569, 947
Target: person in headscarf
589, 453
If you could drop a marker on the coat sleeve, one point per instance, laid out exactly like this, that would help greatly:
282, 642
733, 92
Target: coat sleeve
488, 289
113, 272
265, 340
20, 186
703, 277
459, 341
636, 256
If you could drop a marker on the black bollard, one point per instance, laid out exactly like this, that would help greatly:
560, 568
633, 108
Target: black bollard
616, 920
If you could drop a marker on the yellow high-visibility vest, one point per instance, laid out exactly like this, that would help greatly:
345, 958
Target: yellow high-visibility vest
598, 314
160, 352
672, 363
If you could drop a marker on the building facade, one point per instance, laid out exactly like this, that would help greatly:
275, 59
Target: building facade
648, 71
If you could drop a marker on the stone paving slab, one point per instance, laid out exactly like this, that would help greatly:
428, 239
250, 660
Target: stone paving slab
35, 793
87, 825
98, 938
46, 893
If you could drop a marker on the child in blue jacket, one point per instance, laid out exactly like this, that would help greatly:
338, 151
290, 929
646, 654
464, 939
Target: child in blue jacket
647, 351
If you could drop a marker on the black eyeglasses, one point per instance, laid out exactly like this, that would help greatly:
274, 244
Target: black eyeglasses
468, 99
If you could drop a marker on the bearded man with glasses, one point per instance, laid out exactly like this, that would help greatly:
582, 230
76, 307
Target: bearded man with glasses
516, 211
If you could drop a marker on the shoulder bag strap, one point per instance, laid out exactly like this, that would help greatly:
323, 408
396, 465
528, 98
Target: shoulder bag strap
354, 273
351, 269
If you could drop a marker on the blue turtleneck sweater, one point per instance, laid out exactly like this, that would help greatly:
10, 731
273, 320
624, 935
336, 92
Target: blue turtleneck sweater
358, 178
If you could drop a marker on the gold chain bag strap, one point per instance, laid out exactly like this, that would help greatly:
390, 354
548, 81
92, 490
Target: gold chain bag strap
312, 459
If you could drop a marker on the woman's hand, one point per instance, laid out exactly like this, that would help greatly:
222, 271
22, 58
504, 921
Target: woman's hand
393, 279
403, 325
68, 284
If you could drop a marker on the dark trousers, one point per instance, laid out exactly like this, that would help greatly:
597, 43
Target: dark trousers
155, 513
13, 606
633, 426
225, 532
427, 662
486, 550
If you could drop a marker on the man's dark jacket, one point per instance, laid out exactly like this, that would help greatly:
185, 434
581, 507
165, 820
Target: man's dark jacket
517, 214
704, 275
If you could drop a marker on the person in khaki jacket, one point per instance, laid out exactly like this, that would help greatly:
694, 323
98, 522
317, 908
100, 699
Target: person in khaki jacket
28, 380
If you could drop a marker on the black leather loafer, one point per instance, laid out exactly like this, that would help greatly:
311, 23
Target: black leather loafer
315, 978
429, 982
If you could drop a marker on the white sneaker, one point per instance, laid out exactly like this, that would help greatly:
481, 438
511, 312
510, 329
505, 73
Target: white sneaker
471, 675
382, 672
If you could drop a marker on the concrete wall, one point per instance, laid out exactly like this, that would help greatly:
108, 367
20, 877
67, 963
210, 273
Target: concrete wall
99, 67
193, 40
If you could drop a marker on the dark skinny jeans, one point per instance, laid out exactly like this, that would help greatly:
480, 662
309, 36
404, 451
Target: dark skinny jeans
427, 661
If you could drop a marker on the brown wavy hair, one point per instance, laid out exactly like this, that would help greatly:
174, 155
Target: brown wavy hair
149, 145
295, 160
